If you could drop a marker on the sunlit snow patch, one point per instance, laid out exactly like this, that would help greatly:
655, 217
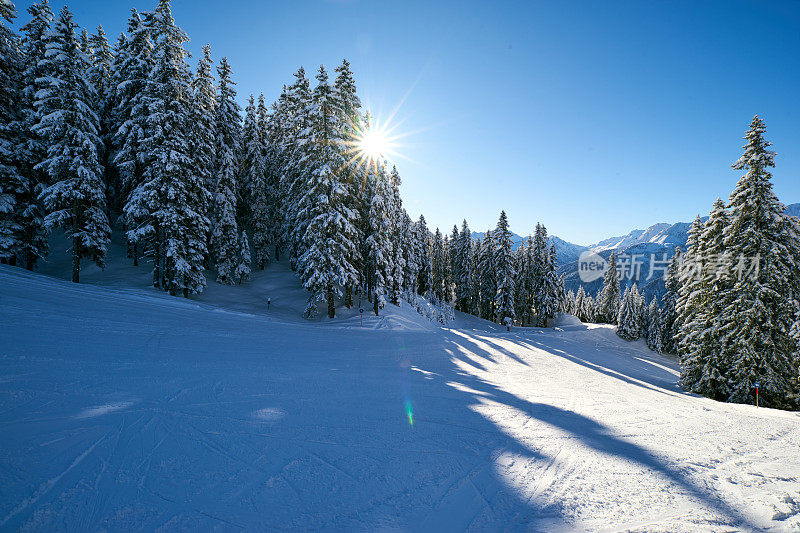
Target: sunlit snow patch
100, 410
270, 414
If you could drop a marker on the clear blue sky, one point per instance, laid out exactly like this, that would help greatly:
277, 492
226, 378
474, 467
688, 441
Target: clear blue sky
594, 118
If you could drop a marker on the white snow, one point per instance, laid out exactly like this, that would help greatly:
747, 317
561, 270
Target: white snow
123, 408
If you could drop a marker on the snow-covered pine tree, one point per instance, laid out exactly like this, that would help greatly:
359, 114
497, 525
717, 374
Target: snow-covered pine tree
539, 272
226, 150
666, 326
504, 270
528, 280
412, 267
131, 112
703, 370
13, 183
629, 316
201, 143
171, 202
487, 278
608, 300
30, 235
552, 288
587, 308
399, 237
580, 303
329, 240
624, 316
347, 104
520, 268
254, 170
687, 304
794, 333
454, 265
378, 244
462, 274
758, 310
242, 272
75, 198
421, 253
438, 260
296, 145
653, 321
100, 77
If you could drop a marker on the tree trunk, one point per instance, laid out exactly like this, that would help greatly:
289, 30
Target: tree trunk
136, 254
375, 307
348, 296
331, 305
157, 259
76, 243
277, 253
185, 292
30, 260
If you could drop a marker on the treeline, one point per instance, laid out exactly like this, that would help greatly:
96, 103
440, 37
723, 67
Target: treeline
95, 135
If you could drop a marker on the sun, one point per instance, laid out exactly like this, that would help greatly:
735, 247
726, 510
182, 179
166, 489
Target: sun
373, 144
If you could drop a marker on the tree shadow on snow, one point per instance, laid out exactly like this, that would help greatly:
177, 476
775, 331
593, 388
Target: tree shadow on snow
589, 432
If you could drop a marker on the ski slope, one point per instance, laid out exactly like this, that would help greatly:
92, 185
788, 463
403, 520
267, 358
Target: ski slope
122, 408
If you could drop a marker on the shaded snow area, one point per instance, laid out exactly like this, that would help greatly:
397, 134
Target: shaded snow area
122, 408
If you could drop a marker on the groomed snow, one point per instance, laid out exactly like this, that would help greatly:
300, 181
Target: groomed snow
123, 408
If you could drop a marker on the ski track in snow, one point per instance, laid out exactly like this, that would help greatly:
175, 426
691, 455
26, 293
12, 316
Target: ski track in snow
125, 409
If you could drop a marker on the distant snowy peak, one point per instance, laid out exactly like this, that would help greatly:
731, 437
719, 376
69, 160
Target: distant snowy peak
667, 235
637, 236
566, 252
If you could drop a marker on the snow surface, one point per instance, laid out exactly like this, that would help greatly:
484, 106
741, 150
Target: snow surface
123, 408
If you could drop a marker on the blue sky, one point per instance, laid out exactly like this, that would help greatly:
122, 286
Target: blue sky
594, 118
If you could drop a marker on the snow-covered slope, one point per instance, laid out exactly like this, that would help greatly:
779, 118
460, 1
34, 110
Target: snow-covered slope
122, 408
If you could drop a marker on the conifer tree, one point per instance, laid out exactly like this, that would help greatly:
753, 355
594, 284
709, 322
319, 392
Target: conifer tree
421, 253
202, 141
100, 77
131, 75
687, 303
487, 279
254, 168
379, 246
411, 272
462, 274
226, 150
667, 316
654, 322
608, 300
504, 268
296, 144
170, 204
757, 311
242, 273
75, 199
400, 238
13, 183
580, 310
438, 261
552, 288
629, 316
27, 226
329, 240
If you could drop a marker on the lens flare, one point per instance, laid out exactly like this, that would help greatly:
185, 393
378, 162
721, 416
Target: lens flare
373, 144
370, 143
409, 413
